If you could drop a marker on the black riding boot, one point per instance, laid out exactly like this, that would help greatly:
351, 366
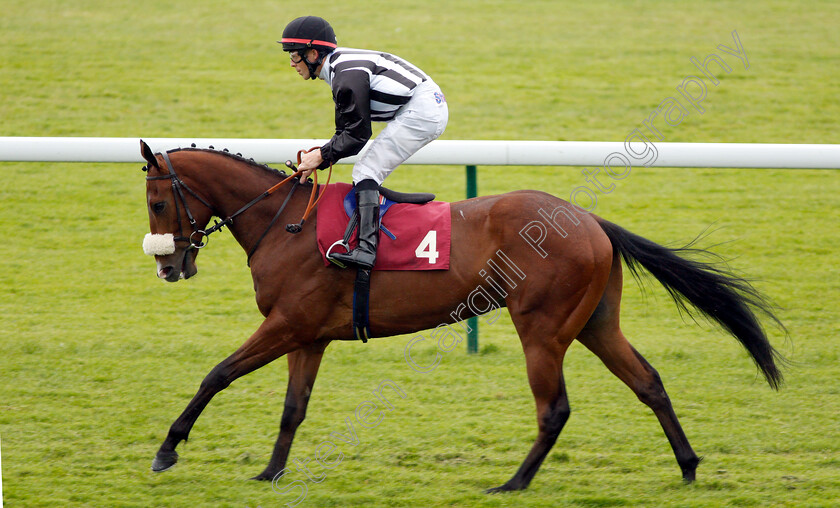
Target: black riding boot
367, 203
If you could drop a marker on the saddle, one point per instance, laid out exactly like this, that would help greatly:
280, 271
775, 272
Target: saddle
415, 198
387, 198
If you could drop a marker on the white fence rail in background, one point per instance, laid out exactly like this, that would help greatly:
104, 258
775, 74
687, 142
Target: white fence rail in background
452, 152
616, 158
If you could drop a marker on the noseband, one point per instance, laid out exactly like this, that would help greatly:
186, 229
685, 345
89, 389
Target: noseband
198, 237
178, 187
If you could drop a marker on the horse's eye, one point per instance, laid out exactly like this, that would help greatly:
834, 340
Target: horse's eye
158, 207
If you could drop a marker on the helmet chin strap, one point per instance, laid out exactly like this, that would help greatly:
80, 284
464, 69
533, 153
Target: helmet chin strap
313, 67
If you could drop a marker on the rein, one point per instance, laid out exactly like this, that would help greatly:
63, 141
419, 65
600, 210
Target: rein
178, 186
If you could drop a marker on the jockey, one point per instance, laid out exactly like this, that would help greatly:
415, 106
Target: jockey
366, 86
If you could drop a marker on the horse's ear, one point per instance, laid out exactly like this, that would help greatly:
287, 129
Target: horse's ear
148, 155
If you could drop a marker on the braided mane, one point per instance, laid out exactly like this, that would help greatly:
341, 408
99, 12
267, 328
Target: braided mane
237, 157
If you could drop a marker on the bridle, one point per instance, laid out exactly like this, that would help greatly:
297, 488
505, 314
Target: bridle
178, 187
198, 237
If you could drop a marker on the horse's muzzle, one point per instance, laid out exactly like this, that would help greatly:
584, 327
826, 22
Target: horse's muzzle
172, 264
177, 266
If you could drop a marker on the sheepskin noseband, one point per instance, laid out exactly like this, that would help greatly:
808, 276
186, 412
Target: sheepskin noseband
159, 245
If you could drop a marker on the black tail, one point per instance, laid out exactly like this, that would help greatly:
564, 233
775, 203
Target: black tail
721, 296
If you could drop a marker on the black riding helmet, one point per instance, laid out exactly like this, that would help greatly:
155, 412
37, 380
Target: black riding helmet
309, 32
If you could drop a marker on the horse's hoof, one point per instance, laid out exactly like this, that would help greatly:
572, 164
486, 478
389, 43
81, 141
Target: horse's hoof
164, 461
265, 476
689, 469
501, 488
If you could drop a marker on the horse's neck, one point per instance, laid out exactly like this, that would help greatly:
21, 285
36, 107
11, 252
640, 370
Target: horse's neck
229, 185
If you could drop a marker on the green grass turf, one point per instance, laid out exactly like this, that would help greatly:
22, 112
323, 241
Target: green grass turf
98, 357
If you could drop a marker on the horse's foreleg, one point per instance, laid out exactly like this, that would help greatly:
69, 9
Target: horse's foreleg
303, 368
264, 346
545, 374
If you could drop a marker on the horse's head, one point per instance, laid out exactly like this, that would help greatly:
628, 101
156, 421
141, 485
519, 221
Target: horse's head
176, 218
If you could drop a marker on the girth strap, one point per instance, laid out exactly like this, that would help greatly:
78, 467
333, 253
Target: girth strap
361, 305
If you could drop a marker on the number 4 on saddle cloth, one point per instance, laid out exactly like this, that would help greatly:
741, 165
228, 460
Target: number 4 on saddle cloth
412, 236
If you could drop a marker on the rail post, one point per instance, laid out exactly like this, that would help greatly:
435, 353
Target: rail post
472, 323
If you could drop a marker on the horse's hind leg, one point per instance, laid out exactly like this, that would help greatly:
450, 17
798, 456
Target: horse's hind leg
602, 335
303, 368
545, 375
546, 331
548, 313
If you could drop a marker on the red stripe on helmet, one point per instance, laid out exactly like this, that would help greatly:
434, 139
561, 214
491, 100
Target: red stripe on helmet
310, 41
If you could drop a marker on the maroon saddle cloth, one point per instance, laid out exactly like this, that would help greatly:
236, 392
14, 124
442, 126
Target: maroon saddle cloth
412, 237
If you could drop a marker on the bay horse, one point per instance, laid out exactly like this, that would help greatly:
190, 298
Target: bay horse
571, 291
